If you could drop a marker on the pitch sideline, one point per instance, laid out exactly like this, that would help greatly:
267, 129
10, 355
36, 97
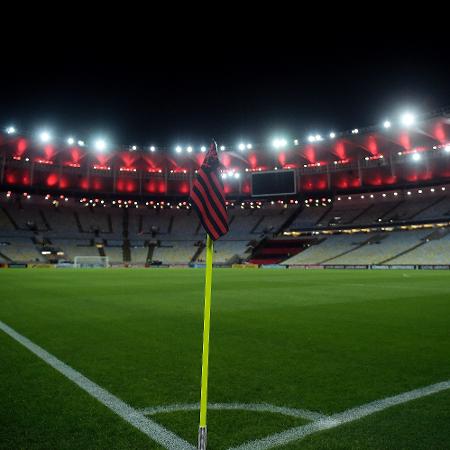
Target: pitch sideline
156, 432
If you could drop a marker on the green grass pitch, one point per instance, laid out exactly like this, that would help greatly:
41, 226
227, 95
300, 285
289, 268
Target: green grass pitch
325, 341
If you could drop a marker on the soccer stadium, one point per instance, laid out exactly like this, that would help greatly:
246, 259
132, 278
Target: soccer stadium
330, 292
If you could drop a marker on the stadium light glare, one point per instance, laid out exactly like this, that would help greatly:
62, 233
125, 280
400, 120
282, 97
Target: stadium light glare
70, 140
203, 149
311, 138
189, 149
407, 119
134, 148
10, 130
332, 135
100, 145
152, 148
355, 131
241, 146
81, 143
447, 148
295, 141
416, 157
45, 136
279, 143
249, 146
387, 124
222, 148
318, 137
178, 149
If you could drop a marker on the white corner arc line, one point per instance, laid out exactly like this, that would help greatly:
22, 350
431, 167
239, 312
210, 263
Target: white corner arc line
335, 420
255, 407
158, 433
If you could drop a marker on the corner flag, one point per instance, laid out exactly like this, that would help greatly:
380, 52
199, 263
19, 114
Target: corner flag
208, 199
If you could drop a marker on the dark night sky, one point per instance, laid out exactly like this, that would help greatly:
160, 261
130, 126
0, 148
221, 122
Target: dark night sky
182, 94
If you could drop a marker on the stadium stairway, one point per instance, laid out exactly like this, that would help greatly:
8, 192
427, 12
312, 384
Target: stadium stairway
198, 252
8, 215
169, 229
374, 239
151, 249
327, 210
362, 213
391, 210
126, 252
255, 227
5, 258
430, 205
44, 220
435, 235
110, 225
78, 222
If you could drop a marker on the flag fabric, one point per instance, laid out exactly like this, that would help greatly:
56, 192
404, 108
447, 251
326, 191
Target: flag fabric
208, 197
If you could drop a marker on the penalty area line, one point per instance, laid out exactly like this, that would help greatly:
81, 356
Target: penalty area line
153, 430
335, 420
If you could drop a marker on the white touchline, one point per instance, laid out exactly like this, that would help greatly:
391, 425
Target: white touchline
147, 426
256, 407
335, 420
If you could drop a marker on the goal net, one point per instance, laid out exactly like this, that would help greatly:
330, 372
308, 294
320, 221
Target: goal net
90, 262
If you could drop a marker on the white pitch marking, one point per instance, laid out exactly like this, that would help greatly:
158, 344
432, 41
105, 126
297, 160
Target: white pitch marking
256, 407
335, 420
147, 426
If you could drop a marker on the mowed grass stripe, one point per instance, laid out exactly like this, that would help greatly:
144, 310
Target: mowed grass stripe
290, 338
147, 426
348, 416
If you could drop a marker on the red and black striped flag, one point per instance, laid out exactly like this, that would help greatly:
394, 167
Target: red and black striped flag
208, 197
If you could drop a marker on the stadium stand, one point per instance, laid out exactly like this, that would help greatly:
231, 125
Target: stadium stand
359, 230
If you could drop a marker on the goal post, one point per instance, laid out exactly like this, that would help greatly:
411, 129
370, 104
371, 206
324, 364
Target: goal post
90, 262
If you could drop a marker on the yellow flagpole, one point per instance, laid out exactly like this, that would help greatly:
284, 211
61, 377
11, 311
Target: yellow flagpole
202, 433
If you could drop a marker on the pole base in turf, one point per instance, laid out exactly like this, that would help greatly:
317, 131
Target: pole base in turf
202, 434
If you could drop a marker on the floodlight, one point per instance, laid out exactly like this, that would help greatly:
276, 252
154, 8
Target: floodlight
70, 140
152, 148
241, 146
249, 146
203, 149
45, 136
189, 149
408, 119
81, 143
222, 148
279, 142
10, 130
416, 157
311, 138
100, 145
178, 149
387, 124
332, 135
